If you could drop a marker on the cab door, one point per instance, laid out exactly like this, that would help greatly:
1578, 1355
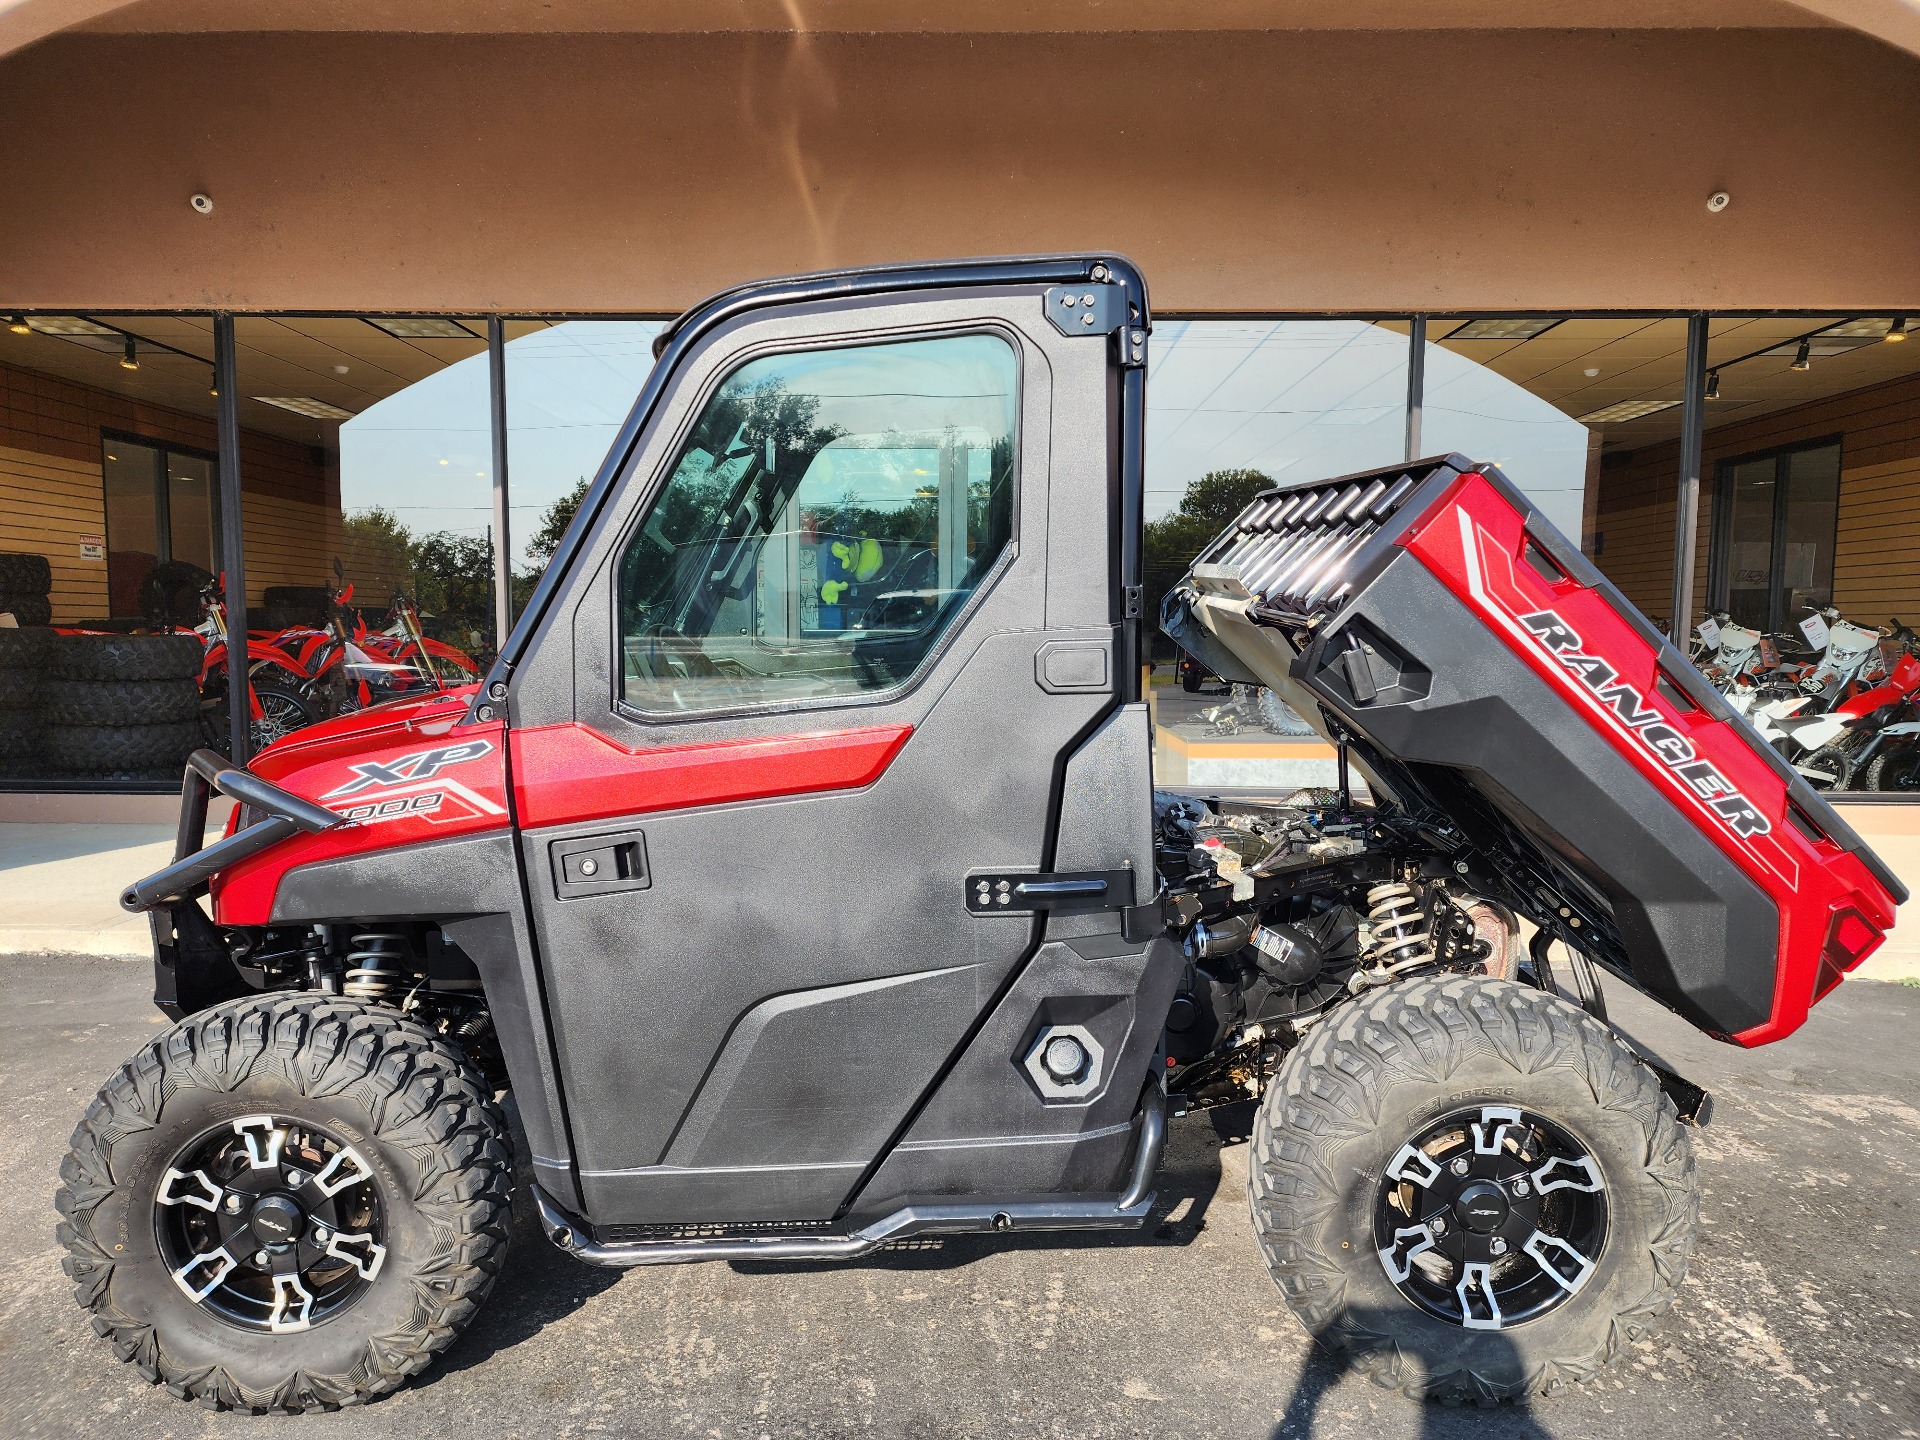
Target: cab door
849, 596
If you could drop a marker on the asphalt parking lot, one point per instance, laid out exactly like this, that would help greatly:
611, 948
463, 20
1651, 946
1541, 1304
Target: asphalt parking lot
1801, 1317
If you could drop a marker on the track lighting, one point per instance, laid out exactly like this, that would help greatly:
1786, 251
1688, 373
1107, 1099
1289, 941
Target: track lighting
128, 360
19, 326
1896, 328
1713, 384
1803, 357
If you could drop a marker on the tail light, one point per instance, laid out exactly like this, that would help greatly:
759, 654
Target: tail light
1851, 937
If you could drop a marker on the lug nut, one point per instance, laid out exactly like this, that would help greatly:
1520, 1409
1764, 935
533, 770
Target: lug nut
233, 1203
1521, 1188
1497, 1246
1438, 1225
321, 1234
262, 1259
1459, 1166
296, 1178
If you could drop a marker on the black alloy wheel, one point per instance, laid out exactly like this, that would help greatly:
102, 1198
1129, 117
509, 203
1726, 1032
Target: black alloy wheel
271, 1224
1490, 1217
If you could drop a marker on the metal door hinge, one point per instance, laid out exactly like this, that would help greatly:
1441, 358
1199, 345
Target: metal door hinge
1132, 601
1098, 308
1001, 892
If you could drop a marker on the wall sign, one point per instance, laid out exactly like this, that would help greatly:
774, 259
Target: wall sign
93, 547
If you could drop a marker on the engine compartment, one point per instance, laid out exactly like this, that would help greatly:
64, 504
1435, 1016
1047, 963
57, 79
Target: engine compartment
1285, 909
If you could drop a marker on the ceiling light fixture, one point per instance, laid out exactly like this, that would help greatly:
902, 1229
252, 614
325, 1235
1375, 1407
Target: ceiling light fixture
1803, 357
129, 360
1896, 328
421, 327
19, 326
306, 405
1518, 328
1626, 410
68, 325
1713, 384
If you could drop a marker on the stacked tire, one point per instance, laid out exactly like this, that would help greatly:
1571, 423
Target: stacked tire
24, 659
123, 707
25, 583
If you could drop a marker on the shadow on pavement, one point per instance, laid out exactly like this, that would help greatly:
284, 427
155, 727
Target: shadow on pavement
1323, 1369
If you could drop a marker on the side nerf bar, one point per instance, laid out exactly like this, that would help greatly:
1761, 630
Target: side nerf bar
194, 866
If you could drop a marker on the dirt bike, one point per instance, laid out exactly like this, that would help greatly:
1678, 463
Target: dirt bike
1834, 704
277, 699
406, 642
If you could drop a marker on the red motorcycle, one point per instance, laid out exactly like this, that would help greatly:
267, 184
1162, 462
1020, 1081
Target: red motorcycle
277, 700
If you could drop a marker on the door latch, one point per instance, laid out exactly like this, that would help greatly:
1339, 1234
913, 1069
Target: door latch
1023, 892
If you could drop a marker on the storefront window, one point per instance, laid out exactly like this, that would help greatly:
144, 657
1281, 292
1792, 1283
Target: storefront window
367, 477
1235, 407
570, 387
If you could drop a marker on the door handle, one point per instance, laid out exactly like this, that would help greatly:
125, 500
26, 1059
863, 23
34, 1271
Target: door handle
600, 865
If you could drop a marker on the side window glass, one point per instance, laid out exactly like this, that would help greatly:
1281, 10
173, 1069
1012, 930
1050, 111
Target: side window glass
823, 525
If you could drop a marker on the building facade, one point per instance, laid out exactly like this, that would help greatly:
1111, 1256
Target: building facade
440, 238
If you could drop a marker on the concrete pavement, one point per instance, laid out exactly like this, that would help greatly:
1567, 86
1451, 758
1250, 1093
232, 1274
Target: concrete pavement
1798, 1319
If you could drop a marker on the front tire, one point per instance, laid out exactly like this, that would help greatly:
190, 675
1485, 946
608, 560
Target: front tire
286, 1203
1570, 1245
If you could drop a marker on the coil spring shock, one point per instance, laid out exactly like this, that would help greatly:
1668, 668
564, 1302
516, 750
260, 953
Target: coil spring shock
1400, 934
376, 968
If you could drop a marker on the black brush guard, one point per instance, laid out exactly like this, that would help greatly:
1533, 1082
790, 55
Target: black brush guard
192, 967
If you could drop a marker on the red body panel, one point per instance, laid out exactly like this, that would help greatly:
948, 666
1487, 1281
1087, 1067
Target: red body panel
404, 773
1476, 547
567, 773
409, 771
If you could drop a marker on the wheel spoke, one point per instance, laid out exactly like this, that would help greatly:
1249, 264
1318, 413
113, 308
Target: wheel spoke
1476, 1285
223, 1265
264, 1140
1399, 1260
344, 1169
362, 1252
1490, 1130
1586, 1176
207, 1199
1565, 1265
292, 1305
1416, 1167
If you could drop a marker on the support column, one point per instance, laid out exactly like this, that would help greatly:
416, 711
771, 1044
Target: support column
502, 535
233, 556
1686, 524
1416, 382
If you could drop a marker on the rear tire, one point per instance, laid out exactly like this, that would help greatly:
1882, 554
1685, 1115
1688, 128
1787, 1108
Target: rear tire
435, 1151
1334, 1142
1895, 771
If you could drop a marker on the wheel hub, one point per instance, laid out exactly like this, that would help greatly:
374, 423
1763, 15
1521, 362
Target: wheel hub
1482, 1207
277, 1220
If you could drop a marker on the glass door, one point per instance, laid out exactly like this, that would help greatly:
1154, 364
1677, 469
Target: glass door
1774, 522
161, 505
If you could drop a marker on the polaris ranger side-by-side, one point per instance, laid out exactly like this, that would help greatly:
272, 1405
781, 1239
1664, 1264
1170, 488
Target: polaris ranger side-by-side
798, 868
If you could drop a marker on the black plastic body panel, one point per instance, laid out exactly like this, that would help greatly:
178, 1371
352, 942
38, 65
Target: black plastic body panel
1492, 719
471, 886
